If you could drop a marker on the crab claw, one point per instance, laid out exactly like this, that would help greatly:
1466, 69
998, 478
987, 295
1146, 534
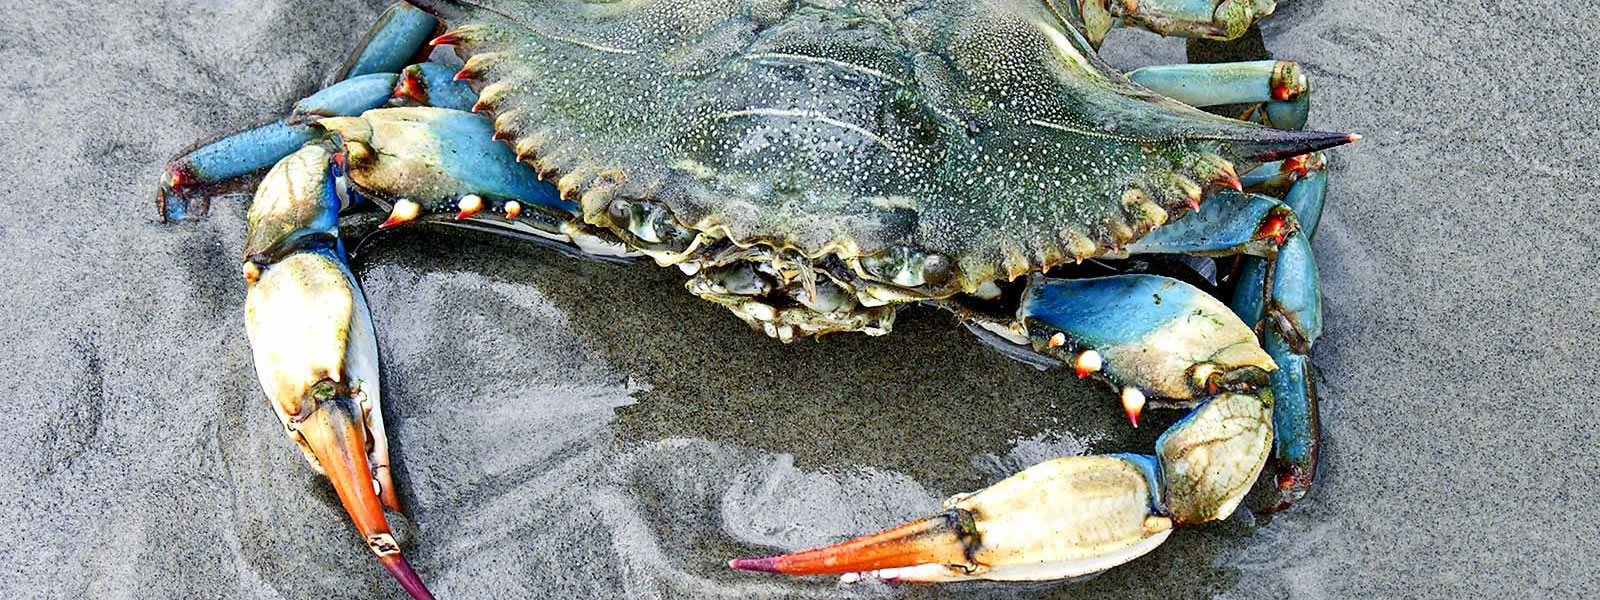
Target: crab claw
1060, 518
314, 346
316, 358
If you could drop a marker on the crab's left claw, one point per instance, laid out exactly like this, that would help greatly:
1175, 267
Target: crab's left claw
1062, 518
314, 346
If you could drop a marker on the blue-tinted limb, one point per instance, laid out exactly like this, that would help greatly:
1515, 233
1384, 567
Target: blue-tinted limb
1282, 300
1297, 427
394, 42
1279, 88
370, 79
1229, 223
253, 149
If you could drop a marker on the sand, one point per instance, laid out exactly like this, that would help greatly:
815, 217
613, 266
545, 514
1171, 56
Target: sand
566, 429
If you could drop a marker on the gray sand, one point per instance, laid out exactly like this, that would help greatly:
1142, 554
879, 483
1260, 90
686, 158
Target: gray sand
569, 429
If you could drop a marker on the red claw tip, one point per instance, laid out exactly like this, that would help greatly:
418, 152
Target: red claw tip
449, 38
768, 564
410, 88
1276, 228
397, 566
1300, 165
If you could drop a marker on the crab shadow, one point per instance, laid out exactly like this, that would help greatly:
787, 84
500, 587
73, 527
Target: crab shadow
928, 402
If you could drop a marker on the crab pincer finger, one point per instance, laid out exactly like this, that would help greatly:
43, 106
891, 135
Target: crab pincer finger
1061, 518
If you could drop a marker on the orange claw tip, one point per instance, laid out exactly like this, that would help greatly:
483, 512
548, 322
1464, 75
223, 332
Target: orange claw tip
934, 540
401, 570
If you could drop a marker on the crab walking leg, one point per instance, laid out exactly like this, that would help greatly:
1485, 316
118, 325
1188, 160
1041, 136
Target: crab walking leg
315, 352
1066, 517
1211, 19
1279, 85
250, 150
1277, 295
1229, 223
400, 34
370, 79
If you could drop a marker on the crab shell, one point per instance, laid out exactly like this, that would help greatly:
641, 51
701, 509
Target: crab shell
985, 131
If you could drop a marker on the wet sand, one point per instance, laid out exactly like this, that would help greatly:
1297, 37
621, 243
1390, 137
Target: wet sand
569, 429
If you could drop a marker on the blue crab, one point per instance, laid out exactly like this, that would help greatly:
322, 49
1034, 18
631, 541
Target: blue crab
811, 166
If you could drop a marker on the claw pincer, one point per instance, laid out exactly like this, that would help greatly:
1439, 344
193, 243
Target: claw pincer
1079, 515
315, 351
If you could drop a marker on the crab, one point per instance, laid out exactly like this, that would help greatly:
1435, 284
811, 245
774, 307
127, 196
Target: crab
813, 166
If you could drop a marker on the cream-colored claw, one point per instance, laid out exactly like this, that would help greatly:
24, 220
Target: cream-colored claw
1061, 518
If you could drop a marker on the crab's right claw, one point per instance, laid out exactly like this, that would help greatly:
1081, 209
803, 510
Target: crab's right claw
1062, 518
315, 351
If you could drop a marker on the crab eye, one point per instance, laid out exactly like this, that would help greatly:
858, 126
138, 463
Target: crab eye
936, 269
908, 267
621, 213
651, 222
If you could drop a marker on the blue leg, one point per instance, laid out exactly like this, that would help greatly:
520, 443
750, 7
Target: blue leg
1281, 299
371, 78
1276, 294
395, 40
1229, 223
1277, 89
